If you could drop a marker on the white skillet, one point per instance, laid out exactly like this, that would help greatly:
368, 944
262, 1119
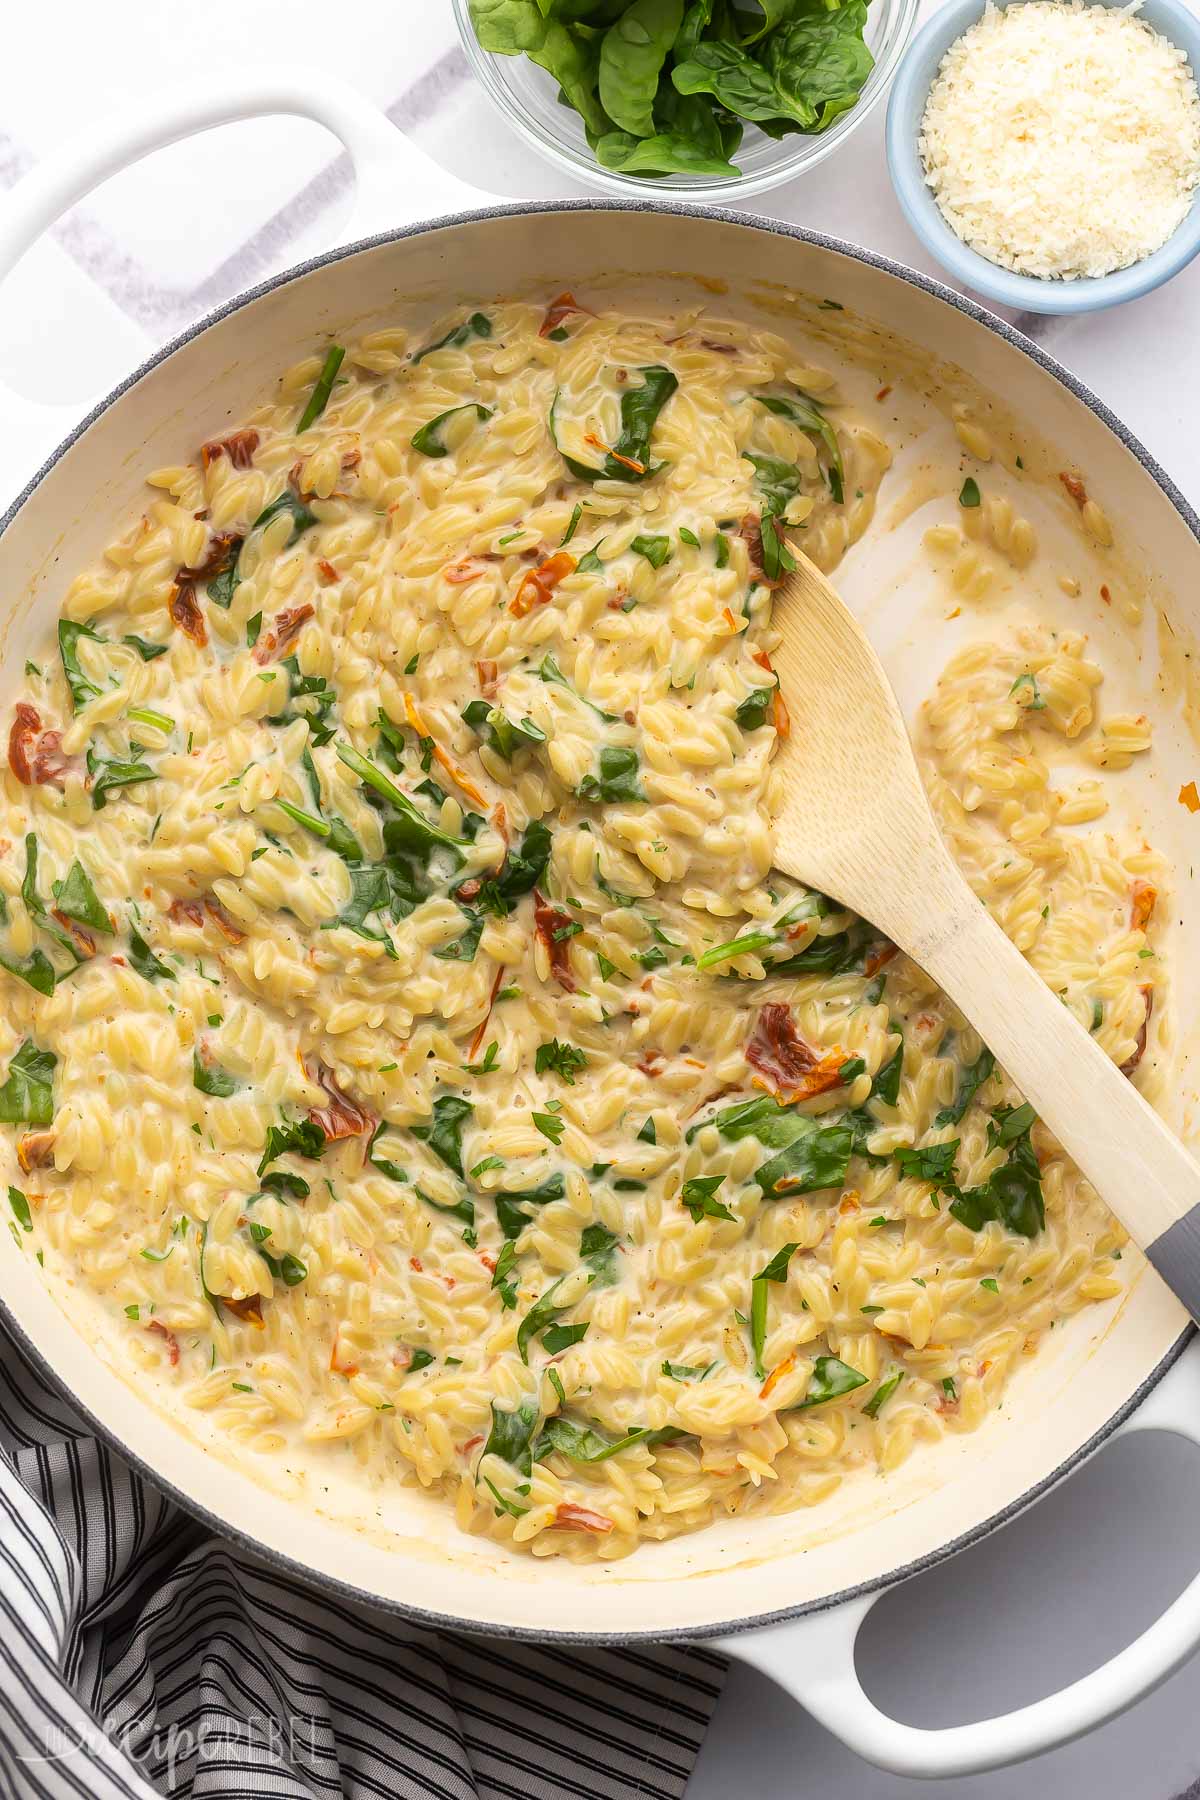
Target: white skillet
788, 1593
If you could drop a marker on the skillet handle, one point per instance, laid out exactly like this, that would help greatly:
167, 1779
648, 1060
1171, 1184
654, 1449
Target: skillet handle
395, 184
813, 1658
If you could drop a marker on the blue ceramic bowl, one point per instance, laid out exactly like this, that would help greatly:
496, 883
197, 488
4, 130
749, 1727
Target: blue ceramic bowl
1028, 293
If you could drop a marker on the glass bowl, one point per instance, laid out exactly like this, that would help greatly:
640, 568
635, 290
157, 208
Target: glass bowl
528, 98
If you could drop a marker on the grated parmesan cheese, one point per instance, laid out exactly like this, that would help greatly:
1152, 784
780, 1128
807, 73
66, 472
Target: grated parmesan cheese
1062, 140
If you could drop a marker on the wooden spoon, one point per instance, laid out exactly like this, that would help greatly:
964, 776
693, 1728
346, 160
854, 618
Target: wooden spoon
856, 825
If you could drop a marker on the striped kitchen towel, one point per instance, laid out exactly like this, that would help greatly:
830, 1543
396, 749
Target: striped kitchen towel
140, 1656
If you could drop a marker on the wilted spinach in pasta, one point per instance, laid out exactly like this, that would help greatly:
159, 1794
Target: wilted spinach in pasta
405, 1039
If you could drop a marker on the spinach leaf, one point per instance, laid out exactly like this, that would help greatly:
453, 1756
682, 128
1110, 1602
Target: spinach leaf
37, 970
20, 1206
1008, 1123
211, 1079
561, 1337
500, 732
1012, 1194
549, 671
82, 687
295, 1137
598, 1253
687, 1371
27, 1096
462, 1210
583, 1443
810, 1155
511, 1435
478, 325
632, 53
115, 772
882, 1394
370, 892
511, 1206
640, 408
656, 550
616, 778
463, 948
77, 899
820, 60
776, 1270
36, 907
542, 1313
225, 584
831, 1378
696, 21
287, 1186
510, 27
392, 1170
816, 1160
934, 1162
970, 1081
302, 516
286, 1268
335, 832
699, 1196
748, 945
143, 960
305, 687
318, 400
410, 830
521, 871
445, 1131
809, 417
773, 11
665, 153
563, 1059
778, 482
741, 84
886, 1085
145, 649
428, 440
751, 712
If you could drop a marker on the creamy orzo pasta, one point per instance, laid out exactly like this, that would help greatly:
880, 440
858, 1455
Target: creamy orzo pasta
404, 1033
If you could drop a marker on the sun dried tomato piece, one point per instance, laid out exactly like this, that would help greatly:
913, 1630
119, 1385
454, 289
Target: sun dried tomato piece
239, 447
35, 1150
793, 1069
84, 942
221, 919
172, 1341
249, 1309
35, 756
343, 1117
186, 912
750, 531
219, 554
538, 585
282, 633
1075, 488
489, 675
560, 308
877, 955
548, 922
570, 1517
184, 609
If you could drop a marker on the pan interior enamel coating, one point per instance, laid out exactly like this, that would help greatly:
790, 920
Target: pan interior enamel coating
401, 1546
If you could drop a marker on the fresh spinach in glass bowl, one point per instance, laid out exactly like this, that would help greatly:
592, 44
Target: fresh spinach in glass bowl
707, 99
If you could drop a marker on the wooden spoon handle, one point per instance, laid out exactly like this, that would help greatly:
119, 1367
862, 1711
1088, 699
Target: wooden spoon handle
1134, 1161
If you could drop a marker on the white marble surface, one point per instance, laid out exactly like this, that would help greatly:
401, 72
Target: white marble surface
1064, 1586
